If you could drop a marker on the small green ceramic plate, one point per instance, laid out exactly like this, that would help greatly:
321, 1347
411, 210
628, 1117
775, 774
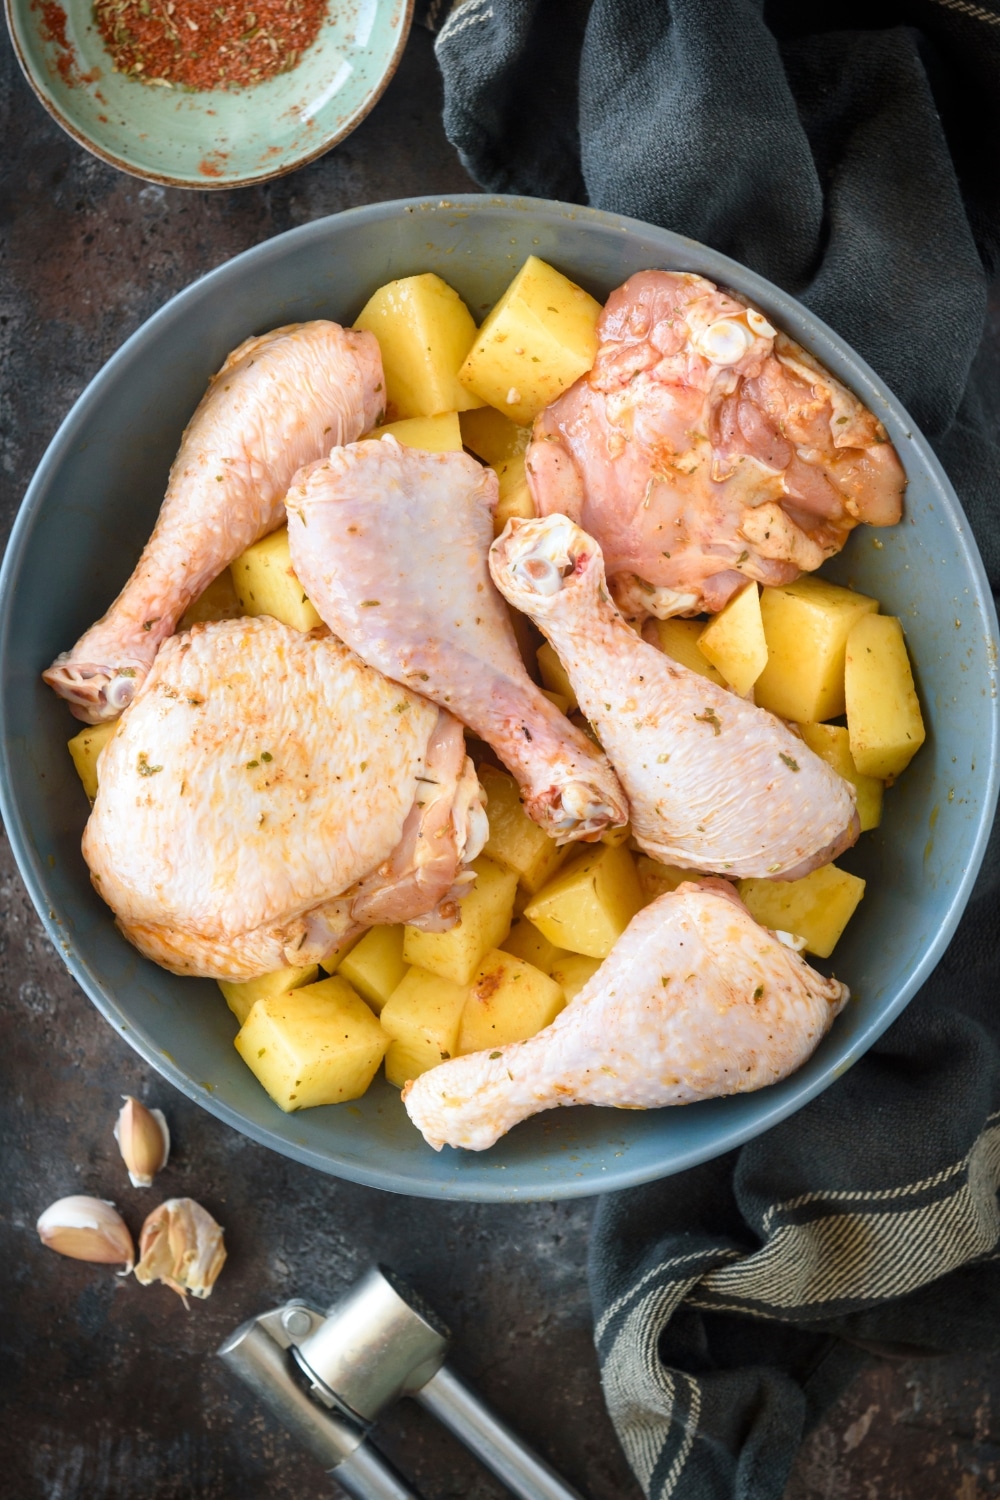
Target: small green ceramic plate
213, 139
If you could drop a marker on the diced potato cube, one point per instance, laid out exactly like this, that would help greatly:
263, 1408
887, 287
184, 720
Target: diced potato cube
218, 602
884, 721
514, 498
539, 338
333, 960
242, 997
573, 972
509, 1001
525, 941
679, 639
266, 584
832, 744
817, 908
734, 641
806, 625
85, 749
375, 966
438, 434
588, 906
493, 437
616, 836
515, 841
485, 921
421, 1019
656, 879
424, 331
318, 1045
554, 675
557, 700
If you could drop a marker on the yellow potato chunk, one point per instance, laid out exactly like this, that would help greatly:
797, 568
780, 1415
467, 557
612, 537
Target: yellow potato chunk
817, 908
333, 960
266, 584
514, 498
587, 907
573, 972
424, 331
884, 721
832, 744
509, 1001
557, 700
515, 841
241, 998
539, 338
85, 748
554, 675
656, 879
375, 965
493, 437
438, 434
734, 641
679, 639
218, 602
421, 1019
525, 941
806, 625
486, 914
318, 1045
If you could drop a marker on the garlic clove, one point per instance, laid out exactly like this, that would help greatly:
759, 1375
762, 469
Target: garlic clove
181, 1245
87, 1229
143, 1140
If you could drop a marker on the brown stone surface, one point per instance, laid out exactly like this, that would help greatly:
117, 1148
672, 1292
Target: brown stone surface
111, 1392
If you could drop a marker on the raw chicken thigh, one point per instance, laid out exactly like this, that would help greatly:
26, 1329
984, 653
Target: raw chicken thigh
391, 545
266, 793
713, 782
278, 402
705, 448
695, 1001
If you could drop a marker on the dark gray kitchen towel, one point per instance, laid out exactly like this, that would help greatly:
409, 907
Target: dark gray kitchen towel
851, 153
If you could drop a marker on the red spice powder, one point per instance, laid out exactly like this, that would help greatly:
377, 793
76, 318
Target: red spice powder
53, 29
207, 44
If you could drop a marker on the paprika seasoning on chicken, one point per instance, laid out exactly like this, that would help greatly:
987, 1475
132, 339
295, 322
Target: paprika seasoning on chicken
207, 44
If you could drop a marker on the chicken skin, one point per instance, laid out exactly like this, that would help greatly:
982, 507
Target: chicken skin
705, 448
713, 782
266, 793
694, 1002
391, 545
278, 402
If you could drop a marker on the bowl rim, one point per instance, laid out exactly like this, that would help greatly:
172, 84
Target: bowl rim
221, 183
488, 1187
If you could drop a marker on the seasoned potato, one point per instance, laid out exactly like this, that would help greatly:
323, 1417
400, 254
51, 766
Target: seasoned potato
818, 907
525, 941
656, 879
375, 965
424, 331
485, 922
514, 498
333, 960
587, 907
85, 748
241, 998
493, 437
439, 434
266, 584
806, 625
679, 639
573, 972
515, 841
318, 1045
884, 721
218, 602
734, 641
509, 1001
539, 338
554, 675
421, 1020
832, 744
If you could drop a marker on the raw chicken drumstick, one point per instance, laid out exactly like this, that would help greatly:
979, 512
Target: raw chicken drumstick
695, 1001
705, 448
713, 782
391, 546
266, 793
278, 402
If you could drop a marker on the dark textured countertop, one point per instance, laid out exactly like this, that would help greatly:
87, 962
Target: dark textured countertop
111, 1392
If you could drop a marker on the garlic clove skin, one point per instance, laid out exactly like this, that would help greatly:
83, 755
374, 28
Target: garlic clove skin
181, 1245
143, 1139
87, 1229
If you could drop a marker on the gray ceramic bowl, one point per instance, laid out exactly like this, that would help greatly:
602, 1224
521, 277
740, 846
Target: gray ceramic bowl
92, 504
